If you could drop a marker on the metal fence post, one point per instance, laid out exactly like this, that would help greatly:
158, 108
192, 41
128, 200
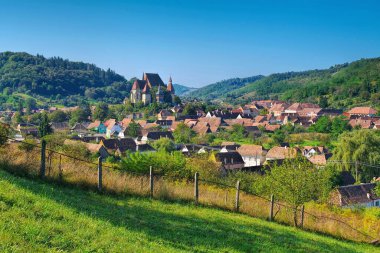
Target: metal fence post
271, 207
302, 215
151, 182
196, 189
100, 174
43, 158
237, 196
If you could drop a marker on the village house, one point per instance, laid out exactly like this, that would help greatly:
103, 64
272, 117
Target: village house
281, 153
278, 108
309, 151
297, 108
155, 135
252, 154
60, 126
361, 111
97, 126
362, 122
355, 195
230, 160
121, 146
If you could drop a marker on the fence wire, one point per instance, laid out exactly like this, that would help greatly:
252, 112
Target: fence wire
65, 168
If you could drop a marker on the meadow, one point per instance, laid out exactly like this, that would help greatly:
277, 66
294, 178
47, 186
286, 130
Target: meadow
38, 216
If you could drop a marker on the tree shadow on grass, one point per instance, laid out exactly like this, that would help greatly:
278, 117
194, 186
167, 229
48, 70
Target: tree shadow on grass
178, 229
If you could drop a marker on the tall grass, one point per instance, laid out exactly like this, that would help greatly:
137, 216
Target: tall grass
66, 170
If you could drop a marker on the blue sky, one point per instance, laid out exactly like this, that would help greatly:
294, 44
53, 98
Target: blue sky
197, 42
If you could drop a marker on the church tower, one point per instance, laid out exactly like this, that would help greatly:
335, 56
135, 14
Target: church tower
170, 89
146, 96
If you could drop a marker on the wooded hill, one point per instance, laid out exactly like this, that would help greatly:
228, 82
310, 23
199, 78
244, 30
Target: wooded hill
56, 78
61, 81
340, 86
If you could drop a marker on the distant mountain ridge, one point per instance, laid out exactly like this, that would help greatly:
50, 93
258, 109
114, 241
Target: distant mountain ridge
219, 89
340, 86
182, 90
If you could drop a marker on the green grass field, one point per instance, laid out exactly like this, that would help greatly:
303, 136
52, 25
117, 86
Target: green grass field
39, 217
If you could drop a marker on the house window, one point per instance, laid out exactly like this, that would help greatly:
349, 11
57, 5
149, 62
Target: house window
377, 203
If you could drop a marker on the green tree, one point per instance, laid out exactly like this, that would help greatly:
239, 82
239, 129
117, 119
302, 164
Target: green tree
101, 111
133, 129
237, 132
30, 104
78, 115
323, 125
296, 181
164, 144
361, 146
58, 116
44, 128
339, 125
4, 133
183, 133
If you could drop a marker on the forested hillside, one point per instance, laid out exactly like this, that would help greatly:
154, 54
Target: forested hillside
341, 86
181, 90
56, 78
219, 89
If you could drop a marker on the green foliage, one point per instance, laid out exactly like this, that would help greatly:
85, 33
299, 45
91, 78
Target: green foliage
341, 86
183, 133
101, 111
237, 132
44, 127
170, 164
377, 190
360, 146
164, 144
297, 181
63, 80
323, 125
58, 116
78, 116
219, 89
133, 129
339, 125
4, 134
28, 145
334, 126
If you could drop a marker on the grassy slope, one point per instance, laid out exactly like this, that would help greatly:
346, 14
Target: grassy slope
37, 216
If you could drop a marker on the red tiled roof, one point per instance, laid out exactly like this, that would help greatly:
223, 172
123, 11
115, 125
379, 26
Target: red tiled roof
362, 110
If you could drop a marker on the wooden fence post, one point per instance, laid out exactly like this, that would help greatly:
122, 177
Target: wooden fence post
100, 174
196, 189
237, 196
43, 158
151, 183
271, 207
60, 169
302, 215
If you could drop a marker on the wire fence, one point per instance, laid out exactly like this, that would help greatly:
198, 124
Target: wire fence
38, 161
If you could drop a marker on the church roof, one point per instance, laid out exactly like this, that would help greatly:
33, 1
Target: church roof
146, 88
138, 84
153, 79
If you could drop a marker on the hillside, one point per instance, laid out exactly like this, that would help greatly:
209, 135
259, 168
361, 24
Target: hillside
340, 86
181, 90
56, 78
49, 218
219, 89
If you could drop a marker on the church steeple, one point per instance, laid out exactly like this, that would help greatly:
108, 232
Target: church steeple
170, 86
